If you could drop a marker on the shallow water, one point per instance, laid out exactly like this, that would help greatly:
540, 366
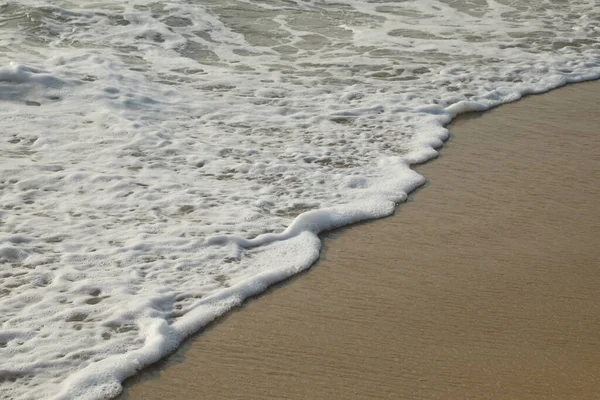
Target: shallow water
155, 156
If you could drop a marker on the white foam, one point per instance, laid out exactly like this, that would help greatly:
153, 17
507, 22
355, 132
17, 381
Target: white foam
161, 162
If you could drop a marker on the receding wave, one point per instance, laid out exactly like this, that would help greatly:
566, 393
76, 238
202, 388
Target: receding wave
160, 162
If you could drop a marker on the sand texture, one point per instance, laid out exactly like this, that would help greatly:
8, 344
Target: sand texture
485, 285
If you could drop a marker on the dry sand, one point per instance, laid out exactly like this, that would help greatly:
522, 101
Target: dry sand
486, 285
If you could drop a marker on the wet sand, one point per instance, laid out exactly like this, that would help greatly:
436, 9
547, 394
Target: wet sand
485, 285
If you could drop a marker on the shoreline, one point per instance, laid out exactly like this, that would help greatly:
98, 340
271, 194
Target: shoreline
286, 301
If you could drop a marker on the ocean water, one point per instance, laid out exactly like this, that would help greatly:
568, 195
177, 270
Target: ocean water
162, 161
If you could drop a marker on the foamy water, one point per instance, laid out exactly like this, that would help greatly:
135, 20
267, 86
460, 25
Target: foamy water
160, 162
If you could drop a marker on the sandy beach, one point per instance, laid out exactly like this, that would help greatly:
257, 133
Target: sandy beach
485, 285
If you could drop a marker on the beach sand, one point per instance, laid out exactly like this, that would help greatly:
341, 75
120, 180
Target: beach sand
485, 285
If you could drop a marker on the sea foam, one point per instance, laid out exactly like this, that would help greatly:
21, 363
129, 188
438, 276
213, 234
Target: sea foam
161, 162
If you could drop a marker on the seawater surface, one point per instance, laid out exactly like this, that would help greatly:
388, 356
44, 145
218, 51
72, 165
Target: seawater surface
162, 161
